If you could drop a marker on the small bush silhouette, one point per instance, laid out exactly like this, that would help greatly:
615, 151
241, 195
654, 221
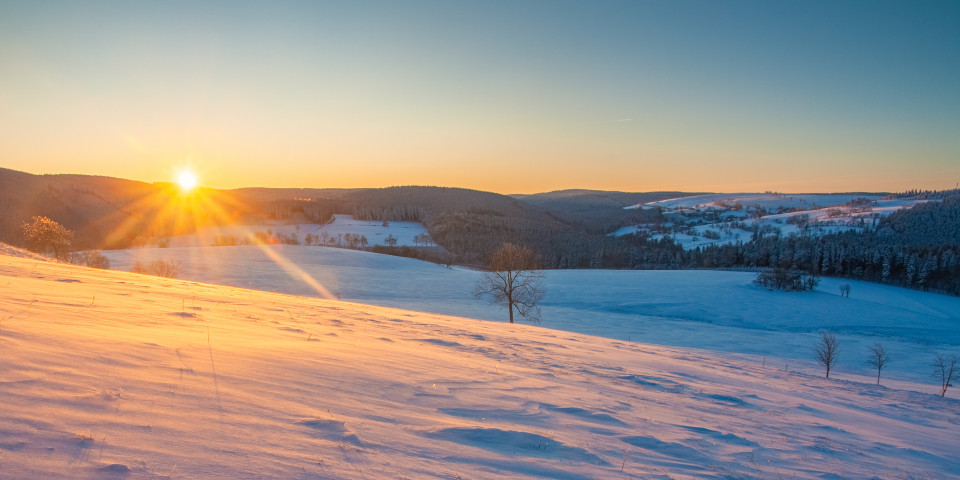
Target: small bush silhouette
159, 267
90, 258
787, 280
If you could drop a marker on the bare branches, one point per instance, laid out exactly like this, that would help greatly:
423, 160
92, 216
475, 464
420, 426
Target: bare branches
827, 350
945, 370
513, 280
878, 358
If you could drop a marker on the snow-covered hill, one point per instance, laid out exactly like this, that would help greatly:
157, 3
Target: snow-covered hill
116, 375
719, 311
726, 219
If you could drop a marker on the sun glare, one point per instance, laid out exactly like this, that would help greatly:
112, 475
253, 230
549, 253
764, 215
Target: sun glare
187, 180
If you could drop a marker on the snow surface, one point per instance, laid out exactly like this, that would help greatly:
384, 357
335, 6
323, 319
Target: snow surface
117, 375
765, 200
19, 252
375, 232
718, 311
826, 213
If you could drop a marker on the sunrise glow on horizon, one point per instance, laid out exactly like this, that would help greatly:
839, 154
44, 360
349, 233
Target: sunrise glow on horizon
510, 97
187, 180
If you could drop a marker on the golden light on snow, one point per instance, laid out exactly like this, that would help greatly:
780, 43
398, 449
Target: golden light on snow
182, 208
187, 180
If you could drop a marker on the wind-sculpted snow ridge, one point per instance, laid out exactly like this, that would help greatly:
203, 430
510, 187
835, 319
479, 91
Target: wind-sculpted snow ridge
117, 375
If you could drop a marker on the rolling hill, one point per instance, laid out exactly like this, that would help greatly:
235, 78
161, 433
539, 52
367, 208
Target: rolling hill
118, 375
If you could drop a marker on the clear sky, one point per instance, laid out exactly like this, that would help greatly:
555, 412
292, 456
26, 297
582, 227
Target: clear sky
515, 96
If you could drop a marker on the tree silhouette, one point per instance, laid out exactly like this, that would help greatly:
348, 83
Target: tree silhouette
878, 357
43, 234
827, 350
513, 280
945, 370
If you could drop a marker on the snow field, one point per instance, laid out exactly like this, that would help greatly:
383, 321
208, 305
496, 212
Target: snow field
717, 311
118, 375
375, 232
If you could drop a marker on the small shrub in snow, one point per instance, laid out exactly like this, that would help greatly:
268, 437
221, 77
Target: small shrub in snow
801, 220
787, 280
159, 267
84, 439
90, 258
711, 234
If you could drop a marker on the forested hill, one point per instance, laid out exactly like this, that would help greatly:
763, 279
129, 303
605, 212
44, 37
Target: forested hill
115, 213
469, 223
92, 207
596, 211
917, 247
928, 224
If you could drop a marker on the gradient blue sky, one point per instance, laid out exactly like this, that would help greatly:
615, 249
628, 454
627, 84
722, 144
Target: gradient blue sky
506, 96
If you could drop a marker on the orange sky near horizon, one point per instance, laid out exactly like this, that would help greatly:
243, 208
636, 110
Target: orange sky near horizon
509, 97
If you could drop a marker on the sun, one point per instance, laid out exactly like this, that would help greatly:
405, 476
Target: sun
187, 180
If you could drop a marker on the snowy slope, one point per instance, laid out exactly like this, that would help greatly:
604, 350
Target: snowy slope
375, 232
19, 252
765, 200
116, 375
721, 311
825, 213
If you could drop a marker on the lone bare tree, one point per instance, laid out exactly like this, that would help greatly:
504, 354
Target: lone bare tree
512, 279
43, 234
945, 370
827, 350
878, 357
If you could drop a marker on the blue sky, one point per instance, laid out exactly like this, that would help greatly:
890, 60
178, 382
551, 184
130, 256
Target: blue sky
519, 96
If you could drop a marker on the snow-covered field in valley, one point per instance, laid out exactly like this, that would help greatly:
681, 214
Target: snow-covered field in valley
720, 311
117, 375
329, 233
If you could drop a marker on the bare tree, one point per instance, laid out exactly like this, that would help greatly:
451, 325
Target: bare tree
827, 350
878, 358
945, 370
513, 280
43, 235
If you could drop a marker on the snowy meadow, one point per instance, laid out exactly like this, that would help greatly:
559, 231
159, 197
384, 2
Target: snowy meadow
711, 310
119, 375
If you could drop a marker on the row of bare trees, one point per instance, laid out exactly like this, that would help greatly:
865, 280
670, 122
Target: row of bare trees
827, 353
513, 279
